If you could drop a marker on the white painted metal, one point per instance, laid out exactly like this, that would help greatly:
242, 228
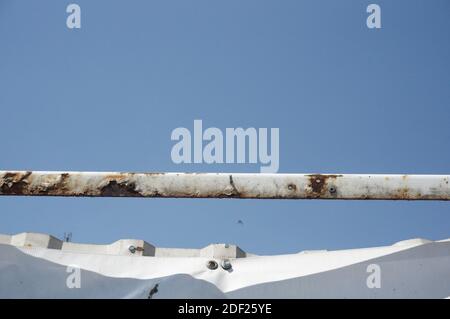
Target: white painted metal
223, 185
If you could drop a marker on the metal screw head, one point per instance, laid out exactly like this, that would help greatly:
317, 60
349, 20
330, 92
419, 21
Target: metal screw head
132, 249
292, 187
212, 264
226, 264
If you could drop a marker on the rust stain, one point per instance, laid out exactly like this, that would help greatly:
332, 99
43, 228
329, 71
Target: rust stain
156, 193
15, 183
58, 188
121, 189
318, 185
118, 176
402, 193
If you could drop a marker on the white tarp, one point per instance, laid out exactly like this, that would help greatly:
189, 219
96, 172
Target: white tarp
412, 269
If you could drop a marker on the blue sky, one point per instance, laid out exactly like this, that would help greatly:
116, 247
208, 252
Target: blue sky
106, 97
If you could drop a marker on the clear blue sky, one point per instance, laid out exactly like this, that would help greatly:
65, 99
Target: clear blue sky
107, 97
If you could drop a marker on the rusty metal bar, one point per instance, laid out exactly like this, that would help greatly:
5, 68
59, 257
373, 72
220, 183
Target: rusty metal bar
223, 185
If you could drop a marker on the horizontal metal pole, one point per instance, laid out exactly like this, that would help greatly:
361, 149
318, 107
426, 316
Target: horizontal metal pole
226, 185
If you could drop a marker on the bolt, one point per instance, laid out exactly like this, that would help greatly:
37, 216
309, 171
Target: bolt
134, 249
226, 264
211, 264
